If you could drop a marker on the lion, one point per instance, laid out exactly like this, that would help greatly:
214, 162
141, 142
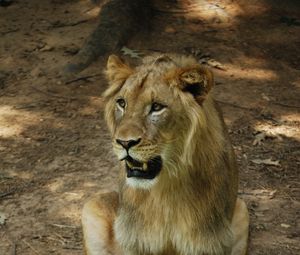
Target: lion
178, 176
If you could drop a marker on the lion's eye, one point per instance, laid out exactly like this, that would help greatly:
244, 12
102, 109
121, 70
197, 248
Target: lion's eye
121, 102
156, 107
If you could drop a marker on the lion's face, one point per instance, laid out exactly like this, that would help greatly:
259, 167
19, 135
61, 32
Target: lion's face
146, 113
145, 125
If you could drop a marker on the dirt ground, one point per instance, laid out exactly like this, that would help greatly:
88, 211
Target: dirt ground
54, 146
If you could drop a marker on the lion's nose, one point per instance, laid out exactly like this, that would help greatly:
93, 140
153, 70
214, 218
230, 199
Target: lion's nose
128, 144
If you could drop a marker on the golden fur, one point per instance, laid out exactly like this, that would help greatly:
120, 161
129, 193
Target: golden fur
191, 206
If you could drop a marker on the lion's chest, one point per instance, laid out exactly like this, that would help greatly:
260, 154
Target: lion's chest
147, 236
160, 233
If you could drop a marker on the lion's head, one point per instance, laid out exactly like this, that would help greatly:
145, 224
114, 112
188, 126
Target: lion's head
159, 114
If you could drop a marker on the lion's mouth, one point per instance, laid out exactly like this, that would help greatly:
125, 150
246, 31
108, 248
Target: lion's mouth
144, 170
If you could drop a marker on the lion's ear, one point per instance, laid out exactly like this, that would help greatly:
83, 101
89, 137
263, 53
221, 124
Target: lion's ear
196, 80
116, 73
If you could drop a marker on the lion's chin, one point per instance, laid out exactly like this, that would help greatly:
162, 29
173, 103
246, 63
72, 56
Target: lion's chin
140, 170
138, 183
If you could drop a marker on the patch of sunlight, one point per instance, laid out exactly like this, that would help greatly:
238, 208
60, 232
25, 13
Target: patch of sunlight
13, 122
95, 105
296, 83
23, 175
97, 102
71, 211
291, 117
71, 196
90, 184
230, 119
284, 130
235, 71
56, 185
94, 12
68, 208
8, 61
223, 14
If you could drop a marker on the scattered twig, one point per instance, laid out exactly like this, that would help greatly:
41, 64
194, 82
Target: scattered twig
88, 10
52, 94
82, 78
150, 49
31, 247
18, 189
285, 105
176, 11
71, 24
7, 236
56, 240
71, 248
5, 194
61, 239
234, 105
13, 249
61, 225
268, 162
10, 31
5, 177
29, 106
78, 22
131, 53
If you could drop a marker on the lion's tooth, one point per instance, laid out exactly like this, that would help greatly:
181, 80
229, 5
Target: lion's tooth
137, 168
129, 164
145, 166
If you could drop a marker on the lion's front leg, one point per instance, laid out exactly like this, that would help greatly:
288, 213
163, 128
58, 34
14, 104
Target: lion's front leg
98, 216
240, 228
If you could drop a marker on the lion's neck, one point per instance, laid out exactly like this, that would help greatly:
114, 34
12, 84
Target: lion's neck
176, 176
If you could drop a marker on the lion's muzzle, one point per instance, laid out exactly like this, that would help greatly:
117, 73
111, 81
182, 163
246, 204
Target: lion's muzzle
143, 170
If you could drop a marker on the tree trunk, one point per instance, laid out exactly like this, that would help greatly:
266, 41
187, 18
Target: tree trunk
118, 20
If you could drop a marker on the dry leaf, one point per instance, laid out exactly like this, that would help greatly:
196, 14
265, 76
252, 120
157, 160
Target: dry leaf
273, 193
265, 97
47, 48
285, 225
268, 161
213, 63
2, 218
131, 53
199, 53
259, 138
170, 30
204, 58
263, 135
